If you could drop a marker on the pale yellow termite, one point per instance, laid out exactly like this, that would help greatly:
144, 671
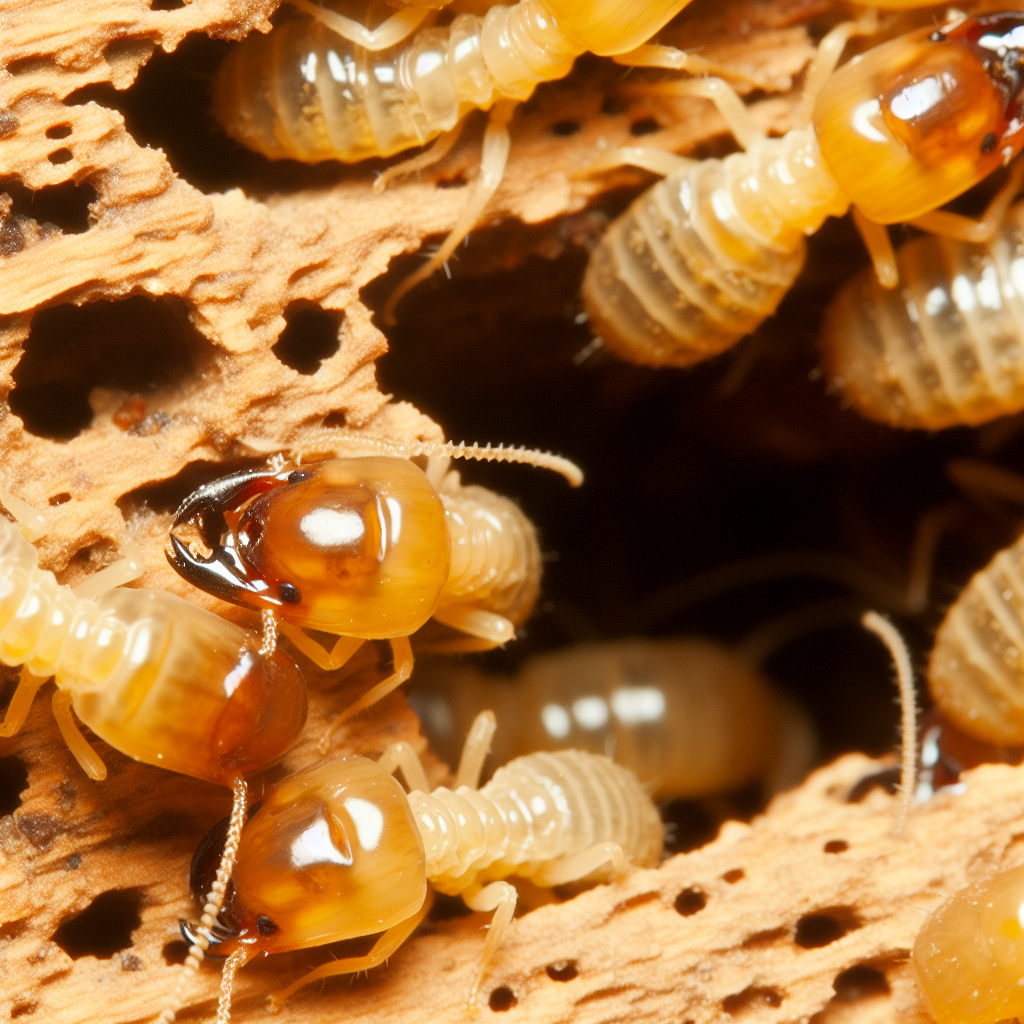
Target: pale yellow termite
703, 256
328, 89
947, 346
687, 716
339, 850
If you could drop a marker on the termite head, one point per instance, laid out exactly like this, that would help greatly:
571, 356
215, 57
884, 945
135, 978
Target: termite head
331, 853
917, 121
354, 546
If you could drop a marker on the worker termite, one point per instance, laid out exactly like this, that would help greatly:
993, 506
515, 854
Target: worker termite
156, 677
702, 257
370, 548
321, 89
946, 347
687, 717
339, 850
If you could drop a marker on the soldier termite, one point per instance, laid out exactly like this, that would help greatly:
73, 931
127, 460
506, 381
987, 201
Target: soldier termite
339, 850
370, 548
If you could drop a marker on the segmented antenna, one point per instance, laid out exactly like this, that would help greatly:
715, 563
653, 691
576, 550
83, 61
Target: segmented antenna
897, 646
480, 452
213, 906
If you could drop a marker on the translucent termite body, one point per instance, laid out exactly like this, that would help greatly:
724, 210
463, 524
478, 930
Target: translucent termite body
687, 717
976, 671
306, 93
703, 256
339, 850
947, 346
968, 956
366, 548
156, 677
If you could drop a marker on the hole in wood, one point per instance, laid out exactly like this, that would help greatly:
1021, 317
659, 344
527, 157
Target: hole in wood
861, 981
752, 998
13, 782
310, 336
65, 206
644, 126
734, 876
690, 901
137, 344
562, 970
104, 928
502, 999
61, 156
836, 846
563, 129
58, 131
825, 927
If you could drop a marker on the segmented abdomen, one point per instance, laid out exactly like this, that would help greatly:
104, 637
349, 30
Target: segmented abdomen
703, 256
534, 810
495, 562
945, 346
976, 671
304, 92
38, 615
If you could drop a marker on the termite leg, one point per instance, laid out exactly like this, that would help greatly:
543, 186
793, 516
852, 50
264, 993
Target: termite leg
130, 566
733, 110
647, 158
319, 655
479, 623
827, 56
475, 750
77, 744
401, 755
387, 34
34, 522
879, 246
497, 143
435, 153
21, 702
977, 478
653, 56
401, 651
578, 865
968, 229
930, 529
500, 897
382, 949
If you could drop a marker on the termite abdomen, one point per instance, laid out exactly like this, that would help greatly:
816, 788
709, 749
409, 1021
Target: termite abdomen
944, 348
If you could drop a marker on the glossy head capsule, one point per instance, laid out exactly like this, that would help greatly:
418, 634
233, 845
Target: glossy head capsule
917, 121
332, 853
350, 546
969, 956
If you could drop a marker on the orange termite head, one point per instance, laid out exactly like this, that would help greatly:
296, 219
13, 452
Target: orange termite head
353, 546
331, 853
917, 121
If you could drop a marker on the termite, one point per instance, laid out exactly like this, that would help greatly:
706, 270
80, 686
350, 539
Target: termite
326, 88
945, 348
339, 850
160, 679
370, 548
706, 254
687, 717
967, 955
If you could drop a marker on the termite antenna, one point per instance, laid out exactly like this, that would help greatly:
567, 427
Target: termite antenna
211, 910
480, 452
897, 647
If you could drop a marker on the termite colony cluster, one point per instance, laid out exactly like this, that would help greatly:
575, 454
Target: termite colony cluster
755, 267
